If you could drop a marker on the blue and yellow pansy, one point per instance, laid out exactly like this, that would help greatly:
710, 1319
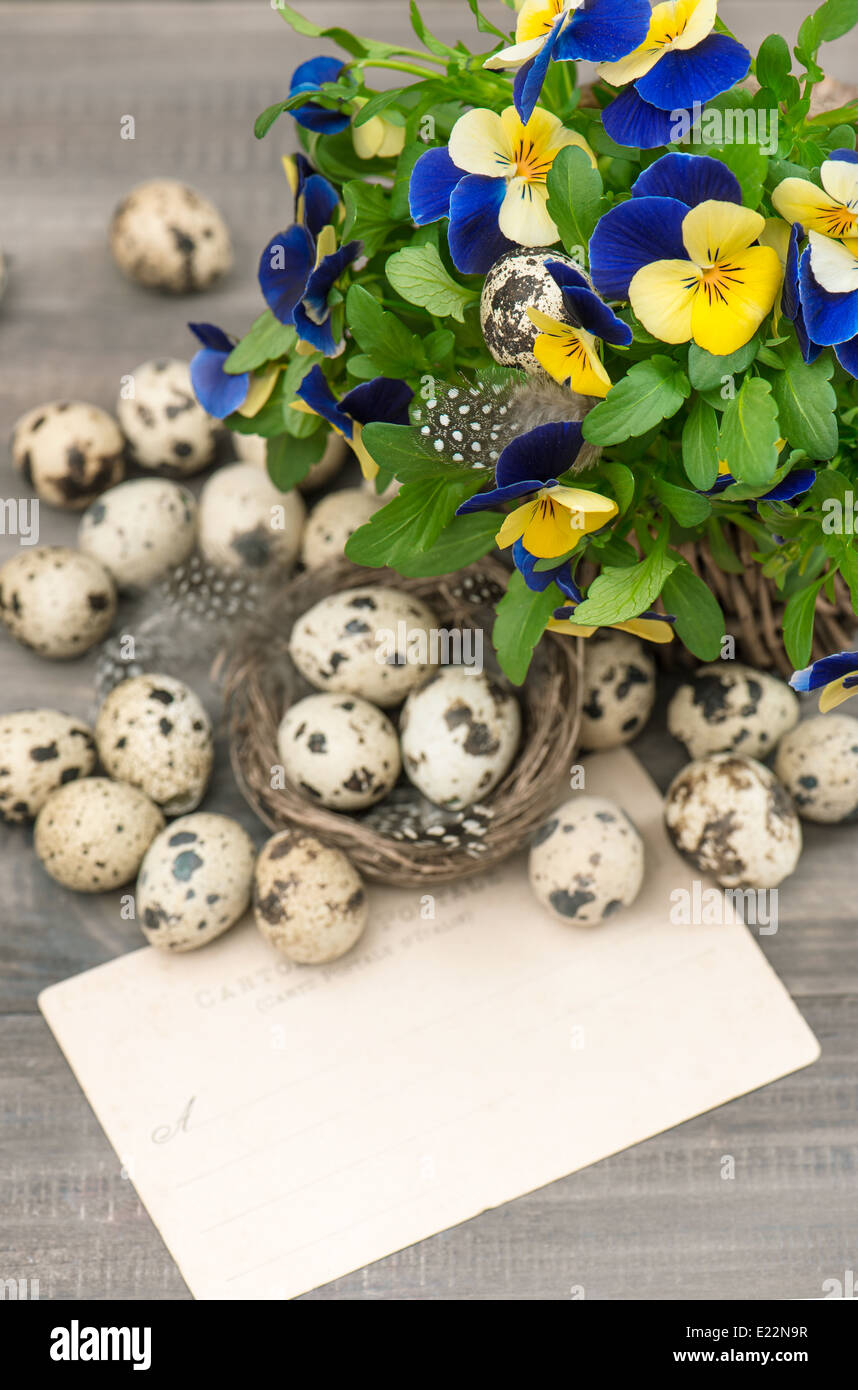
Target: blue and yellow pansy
383, 399
836, 677
651, 626
297, 273
221, 392
568, 350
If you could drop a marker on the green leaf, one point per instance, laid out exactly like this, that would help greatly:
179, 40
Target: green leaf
395, 350
399, 204
359, 48
749, 164
707, 371
574, 198
426, 37
400, 451
484, 25
622, 481
699, 620
749, 433
412, 522
265, 341
799, 616
522, 617
774, 65
650, 391
289, 460
368, 216
687, 508
723, 553
420, 276
807, 403
466, 539
621, 593
700, 445
265, 120
835, 18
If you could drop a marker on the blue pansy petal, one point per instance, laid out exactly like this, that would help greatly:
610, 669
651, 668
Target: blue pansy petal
500, 494
319, 335
212, 337
791, 299
284, 268
315, 392
793, 485
847, 355
827, 669
829, 318
539, 580
631, 121
324, 277
692, 178
588, 311
474, 237
309, 77
320, 120
544, 453
384, 398
433, 179
632, 235
218, 392
320, 203
530, 78
602, 31
845, 156
567, 276
685, 76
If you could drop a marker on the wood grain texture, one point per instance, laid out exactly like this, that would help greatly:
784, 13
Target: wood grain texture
657, 1221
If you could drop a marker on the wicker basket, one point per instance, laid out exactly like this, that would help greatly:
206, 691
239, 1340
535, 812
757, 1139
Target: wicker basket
260, 683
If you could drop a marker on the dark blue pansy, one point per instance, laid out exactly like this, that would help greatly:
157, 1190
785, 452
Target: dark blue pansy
835, 676
309, 77
384, 399
692, 178
531, 462
316, 200
790, 487
586, 309
829, 319
539, 579
218, 392
312, 315
791, 296
285, 267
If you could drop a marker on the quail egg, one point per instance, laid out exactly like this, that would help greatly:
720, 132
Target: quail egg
331, 522
56, 601
40, 750
194, 882
817, 762
308, 900
251, 448
728, 707
164, 423
246, 523
619, 690
140, 530
153, 732
730, 816
166, 236
370, 641
69, 452
91, 835
340, 750
516, 282
460, 732
587, 861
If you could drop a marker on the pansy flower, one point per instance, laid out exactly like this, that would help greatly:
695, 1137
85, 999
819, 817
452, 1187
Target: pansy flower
377, 138
297, 275
680, 63
568, 350
491, 183
835, 676
221, 392
384, 399
594, 30
554, 521
316, 200
309, 77
652, 626
683, 252
790, 487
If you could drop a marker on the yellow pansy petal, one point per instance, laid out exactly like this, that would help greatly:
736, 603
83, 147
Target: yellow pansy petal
259, 392
714, 230
799, 200
523, 216
723, 466
517, 55
840, 180
368, 465
833, 264
480, 144
393, 142
569, 355
734, 298
650, 629
326, 243
635, 64
552, 530
589, 504
536, 18
570, 629
290, 169
515, 525
776, 234
662, 295
835, 694
697, 20
368, 138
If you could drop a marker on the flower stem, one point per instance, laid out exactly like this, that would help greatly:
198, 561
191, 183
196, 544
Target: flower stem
394, 64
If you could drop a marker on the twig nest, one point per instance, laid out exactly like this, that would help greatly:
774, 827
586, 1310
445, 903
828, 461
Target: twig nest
166, 236
519, 281
460, 731
92, 835
587, 861
57, 601
40, 750
69, 451
195, 882
163, 422
308, 900
619, 690
246, 523
340, 750
730, 816
728, 707
374, 642
252, 448
153, 732
140, 530
817, 762
331, 522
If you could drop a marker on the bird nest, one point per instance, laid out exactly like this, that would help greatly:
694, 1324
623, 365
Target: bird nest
405, 840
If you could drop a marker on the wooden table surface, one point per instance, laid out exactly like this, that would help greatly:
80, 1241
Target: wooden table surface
656, 1222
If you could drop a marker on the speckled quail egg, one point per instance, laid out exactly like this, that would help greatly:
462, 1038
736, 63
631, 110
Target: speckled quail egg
728, 707
153, 732
817, 762
460, 732
164, 423
516, 282
331, 522
372, 641
246, 523
308, 900
619, 690
40, 750
69, 452
730, 816
140, 530
251, 448
92, 835
195, 882
340, 750
586, 861
166, 236
56, 601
